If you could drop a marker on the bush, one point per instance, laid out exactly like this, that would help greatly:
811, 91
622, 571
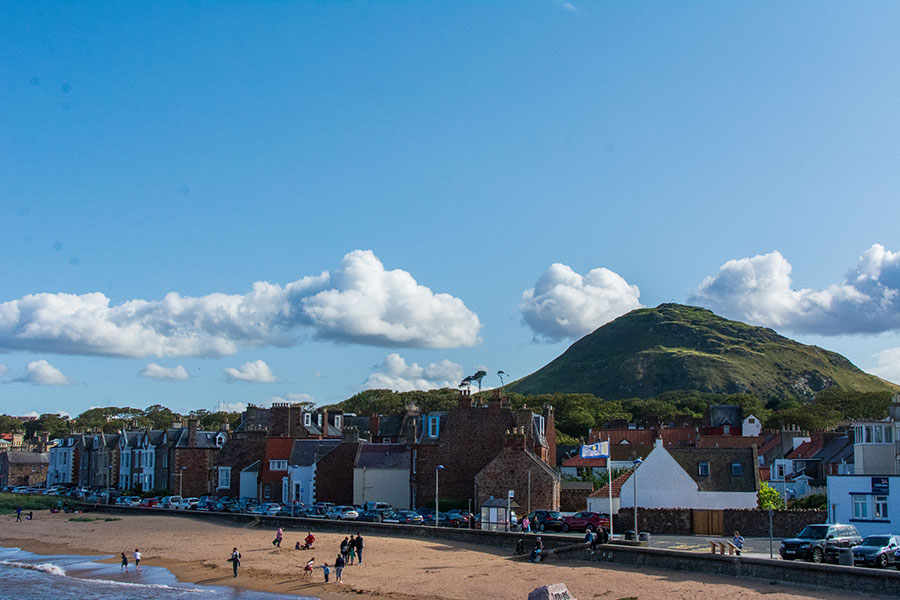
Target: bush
9, 502
811, 502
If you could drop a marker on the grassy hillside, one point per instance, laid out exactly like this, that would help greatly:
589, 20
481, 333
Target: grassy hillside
675, 347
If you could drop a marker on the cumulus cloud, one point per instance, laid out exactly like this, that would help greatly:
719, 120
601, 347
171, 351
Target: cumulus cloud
395, 374
361, 302
256, 371
3, 370
232, 406
888, 366
155, 371
41, 372
760, 290
564, 304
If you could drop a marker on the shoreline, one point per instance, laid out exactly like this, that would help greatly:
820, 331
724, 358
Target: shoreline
195, 551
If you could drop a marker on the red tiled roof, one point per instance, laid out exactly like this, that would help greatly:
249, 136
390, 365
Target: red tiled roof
617, 484
728, 441
770, 443
577, 461
806, 449
277, 448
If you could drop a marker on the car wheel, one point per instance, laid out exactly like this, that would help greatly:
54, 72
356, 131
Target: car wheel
589, 529
565, 528
882, 561
818, 556
542, 527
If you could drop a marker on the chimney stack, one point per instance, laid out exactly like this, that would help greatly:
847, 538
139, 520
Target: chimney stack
350, 434
193, 427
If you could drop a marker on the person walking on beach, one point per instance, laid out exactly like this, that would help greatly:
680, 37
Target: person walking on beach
307, 570
351, 550
124, 563
137, 560
18, 514
235, 560
345, 547
339, 563
279, 535
359, 548
738, 541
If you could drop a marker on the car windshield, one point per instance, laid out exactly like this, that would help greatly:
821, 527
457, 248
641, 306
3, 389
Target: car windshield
876, 540
554, 515
813, 532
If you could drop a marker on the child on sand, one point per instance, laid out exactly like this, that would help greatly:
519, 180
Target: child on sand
310, 540
738, 541
351, 550
137, 560
325, 571
124, 563
279, 535
307, 570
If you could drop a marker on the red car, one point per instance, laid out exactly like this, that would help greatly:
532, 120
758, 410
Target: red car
585, 521
149, 502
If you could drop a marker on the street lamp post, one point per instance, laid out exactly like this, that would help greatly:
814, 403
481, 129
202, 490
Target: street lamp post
637, 462
181, 481
437, 472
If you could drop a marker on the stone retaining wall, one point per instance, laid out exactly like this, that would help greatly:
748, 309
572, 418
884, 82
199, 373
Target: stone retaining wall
752, 522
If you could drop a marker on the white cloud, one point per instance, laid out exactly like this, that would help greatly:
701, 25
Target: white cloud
40, 372
3, 369
232, 406
888, 366
564, 304
359, 303
254, 372
570, 7
760, 290
288, 398
395, 374
155, 371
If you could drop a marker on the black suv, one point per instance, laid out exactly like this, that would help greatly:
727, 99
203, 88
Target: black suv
819, 543
542, 520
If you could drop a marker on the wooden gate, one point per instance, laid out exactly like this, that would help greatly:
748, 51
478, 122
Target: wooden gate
708, 522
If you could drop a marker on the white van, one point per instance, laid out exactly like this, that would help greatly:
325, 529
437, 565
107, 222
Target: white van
369, 506
170, 502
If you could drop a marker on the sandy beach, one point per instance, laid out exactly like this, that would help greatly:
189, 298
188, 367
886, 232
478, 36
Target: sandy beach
196, 550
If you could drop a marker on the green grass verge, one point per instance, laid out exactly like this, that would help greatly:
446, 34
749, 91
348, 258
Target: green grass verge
9, 502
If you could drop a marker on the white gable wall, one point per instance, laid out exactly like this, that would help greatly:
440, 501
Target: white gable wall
663, 483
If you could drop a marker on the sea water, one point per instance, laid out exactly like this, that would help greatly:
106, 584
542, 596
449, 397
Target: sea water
26, 575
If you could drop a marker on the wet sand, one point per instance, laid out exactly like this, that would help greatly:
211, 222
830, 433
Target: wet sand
196, 550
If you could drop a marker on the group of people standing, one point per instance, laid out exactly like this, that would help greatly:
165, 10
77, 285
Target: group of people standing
351, 550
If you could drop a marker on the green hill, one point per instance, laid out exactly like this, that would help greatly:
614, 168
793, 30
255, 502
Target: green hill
675, 347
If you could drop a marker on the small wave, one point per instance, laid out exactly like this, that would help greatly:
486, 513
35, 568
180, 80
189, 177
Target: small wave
155, 586
42, 567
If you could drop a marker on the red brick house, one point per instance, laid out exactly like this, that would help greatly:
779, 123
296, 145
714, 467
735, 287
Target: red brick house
534, 483
466, 439
274, 468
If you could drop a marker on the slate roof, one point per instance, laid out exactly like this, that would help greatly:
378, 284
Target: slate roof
720, 414
307, 452
720, 478
28, 458
205, 439
383, 456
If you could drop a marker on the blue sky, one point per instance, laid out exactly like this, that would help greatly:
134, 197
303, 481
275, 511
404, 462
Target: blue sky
405, 176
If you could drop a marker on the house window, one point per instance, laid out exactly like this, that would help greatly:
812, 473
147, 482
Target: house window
320, 419
386, 441
307, 419
860, 506
224, 477
726, 429
267, 491
165, 460
881, 507
434, 426
869, 434
278, 465
737, 469
751, 420
220, 440
878, 435
337, 421
704, 468
888, 435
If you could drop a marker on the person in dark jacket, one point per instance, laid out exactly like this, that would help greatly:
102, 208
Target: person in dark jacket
359, 547
339, 563
235, 560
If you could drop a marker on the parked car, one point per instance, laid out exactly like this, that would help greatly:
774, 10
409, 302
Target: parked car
449, 519
369, 506
268, 508
374, 516
542, 520
877, 551
404, 517
342, 513
170, 501
586, 521
149, 502
818, 543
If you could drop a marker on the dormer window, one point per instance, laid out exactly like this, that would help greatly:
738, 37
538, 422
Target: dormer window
307, 419
726, 429
337, 421
703, 468
320, 419
220, 440
278, 465
434, 427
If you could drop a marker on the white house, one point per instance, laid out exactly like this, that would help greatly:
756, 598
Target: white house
869, 502
702, 478
302, 466
751, 426
382, 474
